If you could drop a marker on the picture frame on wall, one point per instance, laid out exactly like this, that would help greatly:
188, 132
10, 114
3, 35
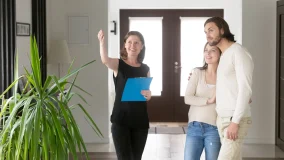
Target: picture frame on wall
22, 29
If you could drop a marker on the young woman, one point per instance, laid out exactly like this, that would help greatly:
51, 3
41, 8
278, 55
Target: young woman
130, 121
200, 95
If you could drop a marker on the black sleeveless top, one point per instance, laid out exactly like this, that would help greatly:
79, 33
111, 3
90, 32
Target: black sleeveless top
129, 114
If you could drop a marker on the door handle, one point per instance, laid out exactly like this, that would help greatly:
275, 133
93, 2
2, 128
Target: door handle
176, 65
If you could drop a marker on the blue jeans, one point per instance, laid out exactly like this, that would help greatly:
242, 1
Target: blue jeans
201, 135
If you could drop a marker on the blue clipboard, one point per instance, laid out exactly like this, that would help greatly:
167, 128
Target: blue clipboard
134, 86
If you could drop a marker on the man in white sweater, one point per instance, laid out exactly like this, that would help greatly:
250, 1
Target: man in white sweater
233, 88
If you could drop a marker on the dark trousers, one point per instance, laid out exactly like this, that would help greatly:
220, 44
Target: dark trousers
129, 142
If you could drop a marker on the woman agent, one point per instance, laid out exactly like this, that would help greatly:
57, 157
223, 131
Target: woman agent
130, 121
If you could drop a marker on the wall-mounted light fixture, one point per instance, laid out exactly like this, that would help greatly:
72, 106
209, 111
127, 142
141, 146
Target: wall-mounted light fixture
114, 29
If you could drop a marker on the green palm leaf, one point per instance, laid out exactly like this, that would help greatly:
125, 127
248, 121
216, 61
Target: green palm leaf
39, 124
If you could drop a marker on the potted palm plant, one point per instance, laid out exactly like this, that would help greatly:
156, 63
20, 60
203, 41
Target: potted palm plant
38, 123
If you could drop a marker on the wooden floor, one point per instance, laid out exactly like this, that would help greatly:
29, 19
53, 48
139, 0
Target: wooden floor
112, 156
165, 142
100, 156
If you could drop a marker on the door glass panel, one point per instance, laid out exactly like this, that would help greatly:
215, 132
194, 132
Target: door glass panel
151, 29
193, 40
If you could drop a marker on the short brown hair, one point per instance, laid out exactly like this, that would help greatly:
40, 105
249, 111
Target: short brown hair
123, 53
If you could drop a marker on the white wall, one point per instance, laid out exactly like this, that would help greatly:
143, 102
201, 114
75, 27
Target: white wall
259, 36
23, 14
93, 78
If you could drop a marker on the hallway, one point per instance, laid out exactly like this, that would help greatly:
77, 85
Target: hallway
166, 142
170, 147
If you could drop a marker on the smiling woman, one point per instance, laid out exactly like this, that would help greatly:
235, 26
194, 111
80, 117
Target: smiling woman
129, 119
134, 46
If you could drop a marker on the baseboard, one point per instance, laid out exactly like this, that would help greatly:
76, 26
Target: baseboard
246, 141
259, 141
99, 141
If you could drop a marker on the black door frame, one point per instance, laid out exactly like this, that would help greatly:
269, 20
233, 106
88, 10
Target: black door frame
8, 39
279, 80
39, 31
7, 43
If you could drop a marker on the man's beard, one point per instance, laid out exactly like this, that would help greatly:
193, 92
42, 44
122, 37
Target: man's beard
216, 41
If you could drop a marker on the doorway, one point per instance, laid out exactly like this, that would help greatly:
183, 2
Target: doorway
174, 41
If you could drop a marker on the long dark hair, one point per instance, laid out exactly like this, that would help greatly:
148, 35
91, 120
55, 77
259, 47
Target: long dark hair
222, 24
205, 65
123, 52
